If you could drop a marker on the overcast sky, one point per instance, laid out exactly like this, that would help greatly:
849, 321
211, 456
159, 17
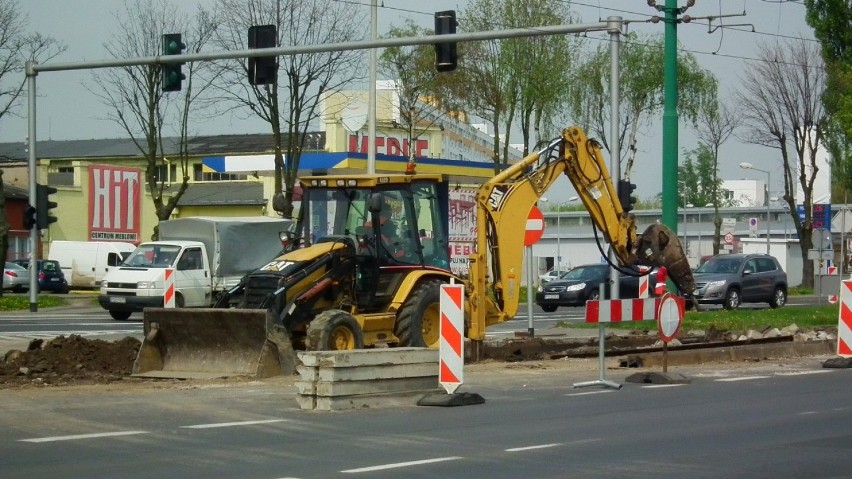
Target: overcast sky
67, 110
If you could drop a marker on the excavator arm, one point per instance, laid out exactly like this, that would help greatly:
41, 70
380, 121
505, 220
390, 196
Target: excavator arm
504, 202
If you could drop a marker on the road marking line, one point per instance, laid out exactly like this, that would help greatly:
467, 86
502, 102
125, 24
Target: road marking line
229, 424
655, 386
83, 436
807, 413
744, 378
590, 392
401, 464
803, 373
527, 448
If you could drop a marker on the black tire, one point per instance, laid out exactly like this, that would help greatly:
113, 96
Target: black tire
549, 308
779, 297
334, 330
119, 315
418, 324
732, 299
179, 301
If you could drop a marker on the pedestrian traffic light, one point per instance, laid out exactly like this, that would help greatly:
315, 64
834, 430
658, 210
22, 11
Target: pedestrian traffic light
172, 74
29, 217
262, 70
625, 195
446, 57
44, 205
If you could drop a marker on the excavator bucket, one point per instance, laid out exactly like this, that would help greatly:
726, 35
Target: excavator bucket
659, 246
212, 343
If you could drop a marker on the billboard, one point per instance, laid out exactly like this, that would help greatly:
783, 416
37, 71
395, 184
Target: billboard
462, 234
114, 203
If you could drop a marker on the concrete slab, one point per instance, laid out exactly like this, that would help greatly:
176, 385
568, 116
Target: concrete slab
368, 357
349, 388
389, 371
362, 401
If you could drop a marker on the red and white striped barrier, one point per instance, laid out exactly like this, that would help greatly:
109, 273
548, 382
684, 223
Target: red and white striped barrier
844, 322
451, 351
624, 310
169, 288
832, 298
662, 277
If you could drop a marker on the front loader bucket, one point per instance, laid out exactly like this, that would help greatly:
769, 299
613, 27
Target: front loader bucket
212, 343
660, 246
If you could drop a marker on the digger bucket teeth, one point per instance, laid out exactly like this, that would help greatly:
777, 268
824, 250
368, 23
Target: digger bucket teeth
660, 246
211, 343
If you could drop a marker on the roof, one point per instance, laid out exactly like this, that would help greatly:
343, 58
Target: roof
15, 192
224, 193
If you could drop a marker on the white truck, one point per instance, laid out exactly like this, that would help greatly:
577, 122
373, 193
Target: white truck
85, 263
208, 254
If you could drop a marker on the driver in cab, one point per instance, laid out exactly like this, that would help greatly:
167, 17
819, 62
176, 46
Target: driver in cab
388, 229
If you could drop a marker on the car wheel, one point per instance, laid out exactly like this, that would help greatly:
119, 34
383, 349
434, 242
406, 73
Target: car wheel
120, 315
732, 299
779, 298
549, 308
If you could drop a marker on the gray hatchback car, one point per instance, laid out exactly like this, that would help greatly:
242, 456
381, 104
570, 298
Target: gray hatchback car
733, 279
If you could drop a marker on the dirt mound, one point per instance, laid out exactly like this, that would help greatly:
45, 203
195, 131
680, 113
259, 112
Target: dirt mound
69, 360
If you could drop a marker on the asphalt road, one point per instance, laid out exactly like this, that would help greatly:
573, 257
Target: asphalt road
770, 420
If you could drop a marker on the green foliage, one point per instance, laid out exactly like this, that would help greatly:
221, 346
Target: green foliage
20, 302
696, 178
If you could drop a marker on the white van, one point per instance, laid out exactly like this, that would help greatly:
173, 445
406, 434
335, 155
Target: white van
86, 262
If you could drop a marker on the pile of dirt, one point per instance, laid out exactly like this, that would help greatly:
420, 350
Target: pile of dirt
69, 360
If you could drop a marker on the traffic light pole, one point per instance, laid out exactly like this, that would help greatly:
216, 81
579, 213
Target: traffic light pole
33, 186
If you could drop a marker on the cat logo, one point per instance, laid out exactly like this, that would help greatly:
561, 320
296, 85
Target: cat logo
496, 198
276, 265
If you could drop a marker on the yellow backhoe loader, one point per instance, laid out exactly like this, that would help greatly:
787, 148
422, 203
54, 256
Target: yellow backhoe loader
365, 261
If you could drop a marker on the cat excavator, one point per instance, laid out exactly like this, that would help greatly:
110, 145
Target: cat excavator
365, 261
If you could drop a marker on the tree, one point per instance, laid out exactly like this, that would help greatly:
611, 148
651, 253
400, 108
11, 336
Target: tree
17, 47
418, 85
134, 93
698, 178
641, 96
292, 102
715, 125
782, 108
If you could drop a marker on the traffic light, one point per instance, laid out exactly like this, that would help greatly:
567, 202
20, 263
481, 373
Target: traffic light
262, 70
446, 57
172, 74
625, 195
44, 205
29, 217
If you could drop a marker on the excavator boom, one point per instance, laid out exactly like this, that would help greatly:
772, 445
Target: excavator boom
495, 267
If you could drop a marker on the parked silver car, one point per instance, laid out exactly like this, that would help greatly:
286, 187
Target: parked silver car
733, 279
15, 277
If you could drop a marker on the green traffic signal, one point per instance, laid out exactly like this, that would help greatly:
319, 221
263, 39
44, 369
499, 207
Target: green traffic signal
172, 74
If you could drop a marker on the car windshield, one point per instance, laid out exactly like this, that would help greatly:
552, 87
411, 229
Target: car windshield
720, 265
582, 274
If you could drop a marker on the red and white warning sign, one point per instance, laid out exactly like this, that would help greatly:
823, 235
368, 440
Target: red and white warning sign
643, 282
669, 316
169, 288
535, 227
451, 350
844, 323
832, 298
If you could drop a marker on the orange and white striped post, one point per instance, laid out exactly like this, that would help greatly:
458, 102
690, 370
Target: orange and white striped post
169, 288
832, 298
643, 282
451, 350
844, 322
662, 277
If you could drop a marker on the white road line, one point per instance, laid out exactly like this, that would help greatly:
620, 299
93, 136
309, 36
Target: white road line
807, 413
744, 378
401, 464
527, 448
590, 392
83, 436
657, 386
803, 373
230, 424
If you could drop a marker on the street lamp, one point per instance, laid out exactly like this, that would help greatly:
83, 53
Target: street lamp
748, 166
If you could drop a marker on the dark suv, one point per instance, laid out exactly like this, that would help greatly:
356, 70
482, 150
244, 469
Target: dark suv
582, 283
733, 279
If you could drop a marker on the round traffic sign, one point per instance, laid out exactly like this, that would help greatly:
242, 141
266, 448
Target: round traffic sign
535, 227
729, 238
669, 317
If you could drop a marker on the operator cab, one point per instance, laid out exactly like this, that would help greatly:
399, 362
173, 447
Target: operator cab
397, 223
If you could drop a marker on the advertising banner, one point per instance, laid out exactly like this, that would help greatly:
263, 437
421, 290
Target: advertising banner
114, 203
